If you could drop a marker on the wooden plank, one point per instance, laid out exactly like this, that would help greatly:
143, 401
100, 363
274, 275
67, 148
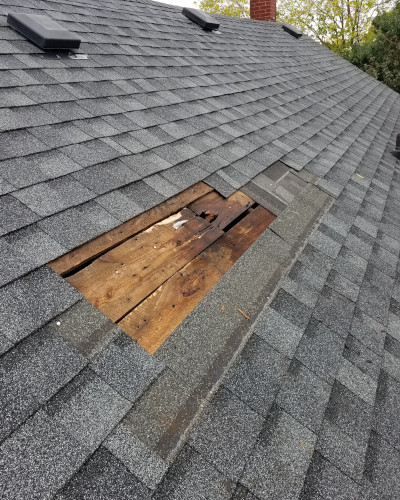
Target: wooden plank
118, 280
221, 211
227, 250
151, 323
87, 252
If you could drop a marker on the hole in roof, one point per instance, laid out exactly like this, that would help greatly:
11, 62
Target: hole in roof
151, 272
43, 31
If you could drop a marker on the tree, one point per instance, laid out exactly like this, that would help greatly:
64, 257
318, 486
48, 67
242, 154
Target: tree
235, 8
380, 54
338, 24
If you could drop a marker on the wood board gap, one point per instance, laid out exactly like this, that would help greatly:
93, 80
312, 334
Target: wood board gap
185, 253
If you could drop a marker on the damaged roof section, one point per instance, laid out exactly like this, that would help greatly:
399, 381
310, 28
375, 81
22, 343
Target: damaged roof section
158, 106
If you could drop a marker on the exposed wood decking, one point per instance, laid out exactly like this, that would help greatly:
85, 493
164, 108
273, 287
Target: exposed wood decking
151, 272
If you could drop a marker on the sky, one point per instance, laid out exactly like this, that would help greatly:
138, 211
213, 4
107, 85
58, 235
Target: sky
183, 3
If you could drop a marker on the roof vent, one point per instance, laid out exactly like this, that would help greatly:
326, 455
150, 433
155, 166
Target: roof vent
396, 151
201, 18
43, 31
292, 30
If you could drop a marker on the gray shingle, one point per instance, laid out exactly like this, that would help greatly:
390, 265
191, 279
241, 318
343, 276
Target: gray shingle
85, 327
242, 493
227, 433
335, 311
160, 405
58, 135
342, 451
191, 476
33, 242
103, 476
162, 185
88, 409
343, 286
127, 367
381, 469
324, 244
326, 481
37, 168
106, 176
386, 408
349, 413
278, 332
15, 214
119, 205
185, 174
30, 376
368, 331
90, 152
279, 462
146, 163
220, 185
222, 115
142, 195
320, 350
302, 275
257, 375
12, 263
291, 309
19, 143
362, 357
304, 396
391, 365
77, 225
307, 296
22, 117
38, 459
316, 262
31, 301
143, 462
54, 196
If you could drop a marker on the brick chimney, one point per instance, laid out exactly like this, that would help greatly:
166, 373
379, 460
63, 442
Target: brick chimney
263, 10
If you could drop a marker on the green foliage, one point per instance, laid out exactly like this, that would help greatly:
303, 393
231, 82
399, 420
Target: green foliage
380, 54
235, 8
338, 24
359, 30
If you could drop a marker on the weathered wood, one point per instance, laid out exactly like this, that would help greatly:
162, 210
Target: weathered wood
227, 250
221, 211
151, 323
87, 252
118, 280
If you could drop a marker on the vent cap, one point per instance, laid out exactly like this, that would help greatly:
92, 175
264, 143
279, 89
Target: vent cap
292, 30
201, 18
43, 31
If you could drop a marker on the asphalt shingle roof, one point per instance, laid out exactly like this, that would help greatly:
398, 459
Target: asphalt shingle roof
310, 408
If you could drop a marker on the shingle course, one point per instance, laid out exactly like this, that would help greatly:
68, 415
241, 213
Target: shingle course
90, 143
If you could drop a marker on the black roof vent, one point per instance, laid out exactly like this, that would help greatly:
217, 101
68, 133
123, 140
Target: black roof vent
43, 31
201, 18
396, 151
292, 30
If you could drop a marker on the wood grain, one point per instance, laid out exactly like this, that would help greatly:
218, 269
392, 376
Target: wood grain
151, 323
118, 280
85, 253
221, 211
